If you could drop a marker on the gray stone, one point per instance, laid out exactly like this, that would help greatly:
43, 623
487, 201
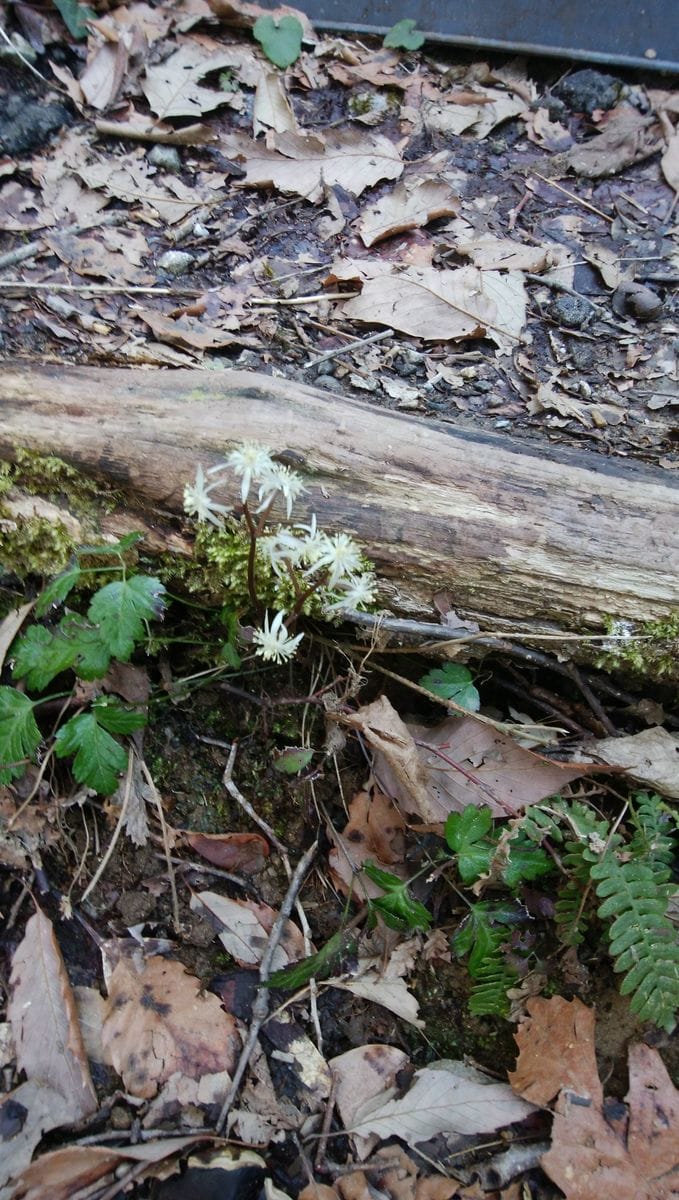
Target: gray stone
571, 311
175, 262
166, 158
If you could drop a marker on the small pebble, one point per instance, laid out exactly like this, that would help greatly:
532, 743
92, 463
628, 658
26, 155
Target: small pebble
175, 262
326, 368
571, 311
166, 158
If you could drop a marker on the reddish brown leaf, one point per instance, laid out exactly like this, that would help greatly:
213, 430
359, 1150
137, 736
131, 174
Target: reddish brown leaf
244, 852
556, 1043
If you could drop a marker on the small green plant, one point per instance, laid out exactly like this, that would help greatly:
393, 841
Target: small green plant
75, 16
404, 35
280, 40
397, 908
309, 566
84, 646
482, 936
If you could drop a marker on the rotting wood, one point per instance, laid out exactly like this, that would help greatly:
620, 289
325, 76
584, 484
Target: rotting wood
516, 532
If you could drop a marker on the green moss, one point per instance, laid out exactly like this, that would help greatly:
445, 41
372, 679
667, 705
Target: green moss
53, 479
36, 546
650, 649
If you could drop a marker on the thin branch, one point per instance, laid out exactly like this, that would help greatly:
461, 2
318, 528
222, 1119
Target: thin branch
120, 824
260, 1007
366, 341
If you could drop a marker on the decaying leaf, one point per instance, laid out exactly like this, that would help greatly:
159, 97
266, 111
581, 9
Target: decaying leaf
651, 757
627, 138
159, 1025
445, 1097
173, 88
244, 927
383, 985
61, 1174
190, 333
409, 205
503, 254
361, 1075
304, 164
10, 626
374, 831
592, 1157
491, 107
272, 108
246, 852
44, 1021
434, 304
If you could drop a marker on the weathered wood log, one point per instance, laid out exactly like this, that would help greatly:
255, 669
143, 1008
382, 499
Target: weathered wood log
530, 534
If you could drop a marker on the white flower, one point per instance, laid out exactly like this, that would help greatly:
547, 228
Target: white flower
273, 642
357, 590
276, 478
250, 461
340, 555
198, 502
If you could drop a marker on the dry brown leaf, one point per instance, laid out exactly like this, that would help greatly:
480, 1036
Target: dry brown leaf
244, 852
304, 164
410, 205
362, 1074
61, 1174
32, 1109
243, 15
244, 928
44, 1021
90, 255
272, 108
190, 333
433, 304
374, 831
387, 735
503, 254
100, 81
591, 414
384, 986
492, 107
651, 757
556, 1050
173, 87
158, 1024
545, 132
628, 137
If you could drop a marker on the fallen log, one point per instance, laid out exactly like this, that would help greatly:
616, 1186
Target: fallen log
516, 532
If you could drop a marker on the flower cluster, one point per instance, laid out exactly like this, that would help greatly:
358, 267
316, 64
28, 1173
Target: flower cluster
303, 557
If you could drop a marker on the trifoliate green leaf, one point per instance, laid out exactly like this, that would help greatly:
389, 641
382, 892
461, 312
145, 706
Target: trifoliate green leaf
19, 734
282, 41
453, 682
57, 591
465, 833
114, 717
39, 656
397, 907
404, 36
120, 609
99, 759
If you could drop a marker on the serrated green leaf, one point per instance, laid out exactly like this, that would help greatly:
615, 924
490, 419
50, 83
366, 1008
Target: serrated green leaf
75, 16
112, 548
99, 758
119, 610
281, 41
292, 760
453, 682
19, 734
91, 655
404, 36
465, 833
39, 656
57, 591
114, 717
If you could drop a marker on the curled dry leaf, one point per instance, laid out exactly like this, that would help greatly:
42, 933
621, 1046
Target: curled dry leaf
651, 757
627, 138
272, 108
410, 205
159, 1025
173, 87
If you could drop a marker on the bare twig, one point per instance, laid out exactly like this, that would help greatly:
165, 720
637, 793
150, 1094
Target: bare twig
260, 1007
227, 780
122, 817
166, 842
366, 341
295, 300
97, 289
572, 196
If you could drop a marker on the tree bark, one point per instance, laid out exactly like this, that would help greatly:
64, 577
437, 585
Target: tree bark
514, 531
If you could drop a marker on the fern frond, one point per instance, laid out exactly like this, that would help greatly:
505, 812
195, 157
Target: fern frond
489, 991
653, 838
643, 940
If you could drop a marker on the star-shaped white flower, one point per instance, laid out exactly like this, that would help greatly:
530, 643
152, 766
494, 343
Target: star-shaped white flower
277, 478
340, 555
199, 503
250, 461
357, 591
273, 641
